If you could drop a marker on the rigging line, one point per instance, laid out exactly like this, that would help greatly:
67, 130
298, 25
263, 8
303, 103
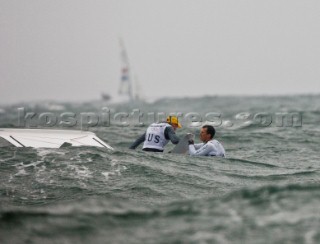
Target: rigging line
17, 141
98, 142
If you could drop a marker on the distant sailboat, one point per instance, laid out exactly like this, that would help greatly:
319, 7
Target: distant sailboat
133, 94
125, 87
129, 88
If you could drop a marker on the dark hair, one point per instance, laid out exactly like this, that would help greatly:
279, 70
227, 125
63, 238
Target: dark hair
210, 130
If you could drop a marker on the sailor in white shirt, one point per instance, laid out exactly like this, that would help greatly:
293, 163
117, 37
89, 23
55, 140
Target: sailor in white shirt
209, 147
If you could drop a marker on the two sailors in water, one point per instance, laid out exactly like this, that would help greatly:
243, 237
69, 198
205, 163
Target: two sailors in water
158, 135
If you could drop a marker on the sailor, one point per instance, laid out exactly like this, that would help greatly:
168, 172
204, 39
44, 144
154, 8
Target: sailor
209, 147
158, 135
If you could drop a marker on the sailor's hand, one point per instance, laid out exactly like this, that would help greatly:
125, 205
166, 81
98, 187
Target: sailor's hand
191, 142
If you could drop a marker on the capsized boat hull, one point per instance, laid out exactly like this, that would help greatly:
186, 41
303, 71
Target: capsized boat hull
46, 138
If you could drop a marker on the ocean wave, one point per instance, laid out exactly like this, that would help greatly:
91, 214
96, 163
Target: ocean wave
256, 211
256, 163
266, 192
273, 175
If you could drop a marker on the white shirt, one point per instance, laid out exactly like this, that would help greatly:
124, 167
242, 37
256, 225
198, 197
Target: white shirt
211, 148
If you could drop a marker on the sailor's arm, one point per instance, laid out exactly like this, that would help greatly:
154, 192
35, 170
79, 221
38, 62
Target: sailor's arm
198, 145
171, 135
203, 151
138, 141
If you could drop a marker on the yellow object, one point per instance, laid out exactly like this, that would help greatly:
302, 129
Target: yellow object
173, 120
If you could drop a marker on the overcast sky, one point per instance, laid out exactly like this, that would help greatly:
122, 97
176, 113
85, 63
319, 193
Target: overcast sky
68, 50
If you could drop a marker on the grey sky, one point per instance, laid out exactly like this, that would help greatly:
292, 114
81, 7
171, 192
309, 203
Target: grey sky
68, 50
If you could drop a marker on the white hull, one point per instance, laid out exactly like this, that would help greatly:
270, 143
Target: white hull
39, 138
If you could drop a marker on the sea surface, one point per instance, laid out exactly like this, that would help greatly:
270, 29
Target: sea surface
267, 189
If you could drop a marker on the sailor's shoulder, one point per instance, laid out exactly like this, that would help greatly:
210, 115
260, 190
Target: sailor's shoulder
159, 125
214, 141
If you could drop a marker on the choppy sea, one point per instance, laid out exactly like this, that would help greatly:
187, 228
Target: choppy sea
267, 189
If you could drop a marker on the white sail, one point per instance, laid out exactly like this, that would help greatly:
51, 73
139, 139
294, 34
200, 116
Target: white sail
126, 81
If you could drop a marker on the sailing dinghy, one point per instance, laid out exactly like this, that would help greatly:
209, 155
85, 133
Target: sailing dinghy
44, 138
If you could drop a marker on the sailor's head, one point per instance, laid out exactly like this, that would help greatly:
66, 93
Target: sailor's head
207, 133
174, 122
